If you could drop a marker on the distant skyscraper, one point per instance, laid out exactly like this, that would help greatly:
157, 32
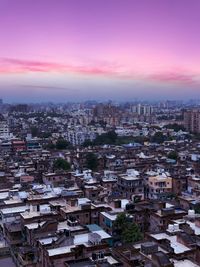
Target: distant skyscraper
4, 129
192, 120
144, 109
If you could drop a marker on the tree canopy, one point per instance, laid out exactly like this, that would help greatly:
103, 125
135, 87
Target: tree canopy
50, 145
62, 144
34, 131
176, 127
106, 138
91, 161
158, 138
61, 164
128, 231
173, 155
109, 138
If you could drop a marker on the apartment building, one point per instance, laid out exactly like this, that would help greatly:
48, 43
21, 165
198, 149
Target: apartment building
159, 186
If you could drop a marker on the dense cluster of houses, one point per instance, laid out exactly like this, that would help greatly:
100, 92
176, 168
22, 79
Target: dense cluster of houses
62, 217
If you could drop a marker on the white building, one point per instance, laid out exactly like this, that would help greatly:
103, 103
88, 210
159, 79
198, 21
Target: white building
79, 135
4, 130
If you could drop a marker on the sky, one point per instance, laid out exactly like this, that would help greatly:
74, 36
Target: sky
73, 50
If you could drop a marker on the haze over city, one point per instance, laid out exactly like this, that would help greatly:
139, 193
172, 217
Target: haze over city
76, 50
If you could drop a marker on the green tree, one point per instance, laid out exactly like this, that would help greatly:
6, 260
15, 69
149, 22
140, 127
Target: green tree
112, 136
109, 138
50, 146
173, 155
61, 164
176, 127
87, 143
34, 131
62, 144
91, 161
127, 230
158, 138
121, 221
131, 233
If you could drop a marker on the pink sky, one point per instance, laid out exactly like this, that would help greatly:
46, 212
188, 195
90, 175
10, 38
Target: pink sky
120, 49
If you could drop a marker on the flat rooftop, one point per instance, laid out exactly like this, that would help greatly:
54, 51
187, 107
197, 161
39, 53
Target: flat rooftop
60, 250
12, 201
64, 225
32, 226
184, 263
130, 178
110, 216
4, 195
19, 209
78, 240
47, 240
178, 247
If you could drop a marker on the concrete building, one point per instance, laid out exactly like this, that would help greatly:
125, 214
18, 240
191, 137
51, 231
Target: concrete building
159, 186
192, 120
131, 185
4, 130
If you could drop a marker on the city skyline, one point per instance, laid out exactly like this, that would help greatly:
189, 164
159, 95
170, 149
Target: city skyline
78, 50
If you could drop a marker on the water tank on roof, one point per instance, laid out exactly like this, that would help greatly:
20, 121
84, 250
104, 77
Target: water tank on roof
191, 212
176, 227
170, 227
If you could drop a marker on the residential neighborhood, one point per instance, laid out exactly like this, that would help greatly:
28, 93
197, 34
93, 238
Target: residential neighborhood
101, 185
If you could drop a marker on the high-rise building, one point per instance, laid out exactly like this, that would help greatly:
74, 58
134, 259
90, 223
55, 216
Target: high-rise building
4, 129
144, 110
192, 120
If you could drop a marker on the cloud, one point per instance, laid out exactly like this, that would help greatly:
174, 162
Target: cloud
181, 77
17, 65
108, 69
10, 66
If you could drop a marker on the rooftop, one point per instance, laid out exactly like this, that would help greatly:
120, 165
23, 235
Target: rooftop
12, 210
184, 263
178, 247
